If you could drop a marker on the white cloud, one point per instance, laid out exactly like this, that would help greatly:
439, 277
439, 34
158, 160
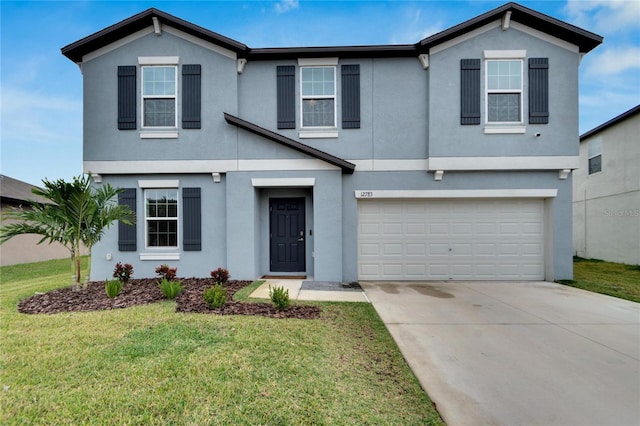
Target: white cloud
284, 6
414, 30
604, 16
614, 60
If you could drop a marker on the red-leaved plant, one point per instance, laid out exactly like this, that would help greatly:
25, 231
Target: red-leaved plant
123, 272
167, 273
220, 276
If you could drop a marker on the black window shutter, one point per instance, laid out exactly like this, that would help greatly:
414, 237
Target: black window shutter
351, 96
469, 91
191, 97
286, 75
127, 97
127, 233
192, 222
538, 90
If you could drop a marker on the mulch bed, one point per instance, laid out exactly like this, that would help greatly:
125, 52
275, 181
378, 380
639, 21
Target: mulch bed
145, 291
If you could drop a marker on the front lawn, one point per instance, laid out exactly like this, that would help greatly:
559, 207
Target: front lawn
151, 365
613, 279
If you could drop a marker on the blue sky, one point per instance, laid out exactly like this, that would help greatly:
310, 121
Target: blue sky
41, 90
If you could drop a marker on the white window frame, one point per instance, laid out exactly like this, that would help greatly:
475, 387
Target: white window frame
590, 156
488, 92
333, 96
143, 97
147, 218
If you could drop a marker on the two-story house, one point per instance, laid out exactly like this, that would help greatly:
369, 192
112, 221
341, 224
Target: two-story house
447, 159
606, 191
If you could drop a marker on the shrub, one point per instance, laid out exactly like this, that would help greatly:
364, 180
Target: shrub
166, 273
123, 272
220, 276
215, 296
280, 298
113, 288
170, 289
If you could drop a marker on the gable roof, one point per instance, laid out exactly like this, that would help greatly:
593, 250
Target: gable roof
628, 114
17, 192
347, 167
585, 40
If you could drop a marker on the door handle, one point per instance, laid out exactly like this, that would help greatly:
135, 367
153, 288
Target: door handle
301, 236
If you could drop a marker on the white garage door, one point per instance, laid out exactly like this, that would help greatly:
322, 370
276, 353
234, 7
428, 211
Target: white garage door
497, 239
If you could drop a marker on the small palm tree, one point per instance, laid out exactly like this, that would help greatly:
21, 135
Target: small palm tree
75, 215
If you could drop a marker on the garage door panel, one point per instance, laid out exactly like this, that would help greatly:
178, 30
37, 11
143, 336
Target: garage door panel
451, 239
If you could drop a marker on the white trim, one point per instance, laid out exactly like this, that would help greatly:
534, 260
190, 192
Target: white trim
506, 130
160, 166
466, 36
241, 63
195, 40
159, 256
157, 26
158, 60
283, 182
158, 135
545, 37
378, 165
505, 54
145, 183
285, 164
506, 18
317, 62
117, 44
458, 193
505, 163
318, 135
424, 60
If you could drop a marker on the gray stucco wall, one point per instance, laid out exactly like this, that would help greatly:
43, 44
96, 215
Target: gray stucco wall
450, 139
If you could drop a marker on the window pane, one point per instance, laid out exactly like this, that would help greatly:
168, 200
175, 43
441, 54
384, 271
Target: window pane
504, 75
159, 112
318, 112
503, 107
595, 164
318, 81
595, 147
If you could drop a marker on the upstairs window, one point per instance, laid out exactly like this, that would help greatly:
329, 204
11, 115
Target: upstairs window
595, 156
504, 91
159, 96
318, 90
161, 217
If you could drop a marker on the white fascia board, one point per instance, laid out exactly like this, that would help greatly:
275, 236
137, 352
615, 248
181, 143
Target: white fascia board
158, 60
457, 193
165, 183
505, 54
545, 37
317, 62
504, 163
195, 40
160, 166
283, 182
467, 36
117, 44
285, 164
378, 165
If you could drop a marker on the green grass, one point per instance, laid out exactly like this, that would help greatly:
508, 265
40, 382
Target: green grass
613, 279
151, 365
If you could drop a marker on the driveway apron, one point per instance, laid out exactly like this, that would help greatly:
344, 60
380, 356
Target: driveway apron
517, 353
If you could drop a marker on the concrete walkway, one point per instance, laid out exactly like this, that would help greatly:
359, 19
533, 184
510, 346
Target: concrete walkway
308, 289
517, 353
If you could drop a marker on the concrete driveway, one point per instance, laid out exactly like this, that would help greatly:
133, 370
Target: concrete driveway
517, 353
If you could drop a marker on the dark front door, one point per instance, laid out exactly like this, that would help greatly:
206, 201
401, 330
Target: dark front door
287, 234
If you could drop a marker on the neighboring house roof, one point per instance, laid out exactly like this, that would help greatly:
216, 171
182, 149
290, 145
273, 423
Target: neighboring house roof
346, 166
628, 114
585, 40
17, 192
